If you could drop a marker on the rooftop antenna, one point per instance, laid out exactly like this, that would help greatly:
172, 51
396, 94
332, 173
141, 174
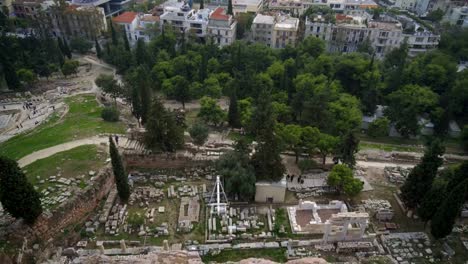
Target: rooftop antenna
218, 204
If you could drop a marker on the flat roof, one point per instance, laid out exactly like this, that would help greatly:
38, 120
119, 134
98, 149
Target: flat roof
262, 19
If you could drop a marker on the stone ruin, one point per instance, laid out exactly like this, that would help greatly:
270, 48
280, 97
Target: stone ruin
396, 175
407, 247
332, 220
143, 195
382, 209
188, 213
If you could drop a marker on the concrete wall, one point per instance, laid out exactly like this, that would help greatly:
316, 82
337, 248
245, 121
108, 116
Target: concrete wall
262, 193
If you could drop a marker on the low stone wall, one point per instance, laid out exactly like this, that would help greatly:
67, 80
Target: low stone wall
161, 161
73, 211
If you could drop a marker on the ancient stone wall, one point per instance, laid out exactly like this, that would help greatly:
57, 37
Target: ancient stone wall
73, 211
160, 161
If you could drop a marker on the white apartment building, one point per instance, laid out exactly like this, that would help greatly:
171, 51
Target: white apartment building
385, 34
238, 6
339, 6
457, 16
409, 5
222, 27
421, 42
262, 29
186, 19
136, 25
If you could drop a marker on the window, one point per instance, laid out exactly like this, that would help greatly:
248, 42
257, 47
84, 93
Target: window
318, 29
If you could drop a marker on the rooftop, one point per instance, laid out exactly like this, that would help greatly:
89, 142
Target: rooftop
125, 17
219, 14
262, 19
287, 23
149, 18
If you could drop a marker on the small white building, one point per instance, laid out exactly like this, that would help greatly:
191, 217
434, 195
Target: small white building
136, 25
186, 20
270, 192
222, 27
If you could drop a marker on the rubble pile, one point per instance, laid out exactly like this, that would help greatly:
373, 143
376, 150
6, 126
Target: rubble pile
396, 175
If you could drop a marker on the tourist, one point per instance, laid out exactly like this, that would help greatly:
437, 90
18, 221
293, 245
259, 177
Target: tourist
116, 139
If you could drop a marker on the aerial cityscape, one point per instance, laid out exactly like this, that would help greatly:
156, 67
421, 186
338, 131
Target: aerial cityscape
233, 131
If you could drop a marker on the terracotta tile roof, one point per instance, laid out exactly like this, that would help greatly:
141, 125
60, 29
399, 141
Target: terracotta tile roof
219, 14
125, 17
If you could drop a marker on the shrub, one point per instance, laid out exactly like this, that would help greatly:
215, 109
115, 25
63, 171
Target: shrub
306, 165
379, 127
110, 114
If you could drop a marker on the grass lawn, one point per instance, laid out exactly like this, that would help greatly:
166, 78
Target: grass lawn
82, 120
277, 255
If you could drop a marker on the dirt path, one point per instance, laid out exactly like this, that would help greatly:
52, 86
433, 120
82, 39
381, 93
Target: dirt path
47, 152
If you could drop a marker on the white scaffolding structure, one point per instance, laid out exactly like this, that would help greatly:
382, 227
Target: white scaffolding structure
218, 205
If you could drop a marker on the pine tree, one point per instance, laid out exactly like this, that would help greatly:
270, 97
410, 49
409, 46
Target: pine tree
419, 180
11, 77
98, 49
444, 219
125, 40
66, 49
113, 34
17, 195
121, 179
229, 11
162, 131
266, 160
233, 114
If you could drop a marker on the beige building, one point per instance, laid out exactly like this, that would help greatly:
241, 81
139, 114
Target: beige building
270, 192
285, 31
27, 8
275, 31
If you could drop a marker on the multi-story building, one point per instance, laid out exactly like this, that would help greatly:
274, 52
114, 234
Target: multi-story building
222, 27
275, 31
185, 19
339, 6
346, 33
76, 21
239, 6
285, 31
137, 26
262, 29
457, 16
111, 7
420, 42
409, 5
27, 8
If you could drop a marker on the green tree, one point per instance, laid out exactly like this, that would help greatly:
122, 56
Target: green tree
113, 34
444, 219
70, 67
341, 177
178, 88
464, 137
199, 133
11, 77
290, 137
121, 178
98, 49
238, 175
436, 15
379, 127
141, 53
26, 76
327, 145
211, 112
109, 85
162, 132
233, 112
347, 148
312, 46
80, 45
432, 200
419, 180
406, 104
66, 48
110, 114
17, 195
125, 40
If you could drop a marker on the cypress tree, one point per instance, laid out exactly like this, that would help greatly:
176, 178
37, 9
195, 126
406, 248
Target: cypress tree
233, 114
11, 78
66, 49
136, 103
17, 195
121, 179
60, 45
444, 219
202, 4
229, 11
108, 49
125, 39
98, 49
113, 34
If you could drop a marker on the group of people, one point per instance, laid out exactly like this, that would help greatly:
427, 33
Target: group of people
290, 178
